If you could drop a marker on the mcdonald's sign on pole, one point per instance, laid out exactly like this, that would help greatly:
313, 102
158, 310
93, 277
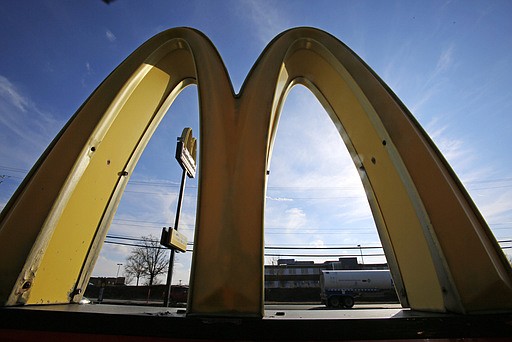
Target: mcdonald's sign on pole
186, 152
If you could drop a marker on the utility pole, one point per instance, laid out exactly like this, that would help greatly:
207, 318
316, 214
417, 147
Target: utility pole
186, 151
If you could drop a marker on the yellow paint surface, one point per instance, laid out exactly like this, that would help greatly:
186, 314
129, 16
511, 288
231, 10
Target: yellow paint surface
77, 226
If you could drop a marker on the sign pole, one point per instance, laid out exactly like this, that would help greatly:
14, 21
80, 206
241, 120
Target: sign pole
167, 294
180, 199
186, 156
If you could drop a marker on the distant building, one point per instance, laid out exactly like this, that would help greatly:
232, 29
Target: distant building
106, 281
293, 274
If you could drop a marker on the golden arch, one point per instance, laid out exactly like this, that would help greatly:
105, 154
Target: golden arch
442, 254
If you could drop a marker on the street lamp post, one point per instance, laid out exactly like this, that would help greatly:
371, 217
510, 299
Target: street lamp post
118, 267
361, 251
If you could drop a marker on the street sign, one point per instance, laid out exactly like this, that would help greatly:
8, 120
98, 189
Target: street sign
173, 239
186, 151
178, 240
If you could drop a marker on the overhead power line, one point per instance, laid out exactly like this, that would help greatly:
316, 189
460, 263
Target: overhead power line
120, 221
128, 238
272, 229
277, 255
322, 247
266, 254
177, 184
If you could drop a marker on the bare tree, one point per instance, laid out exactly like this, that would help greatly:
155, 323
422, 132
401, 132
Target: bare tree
148, 260
134, 265
128, 278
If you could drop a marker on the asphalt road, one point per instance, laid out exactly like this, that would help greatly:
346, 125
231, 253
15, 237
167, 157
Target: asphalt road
268, 306
317, 306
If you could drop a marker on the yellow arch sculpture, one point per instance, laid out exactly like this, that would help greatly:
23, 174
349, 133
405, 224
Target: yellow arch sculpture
441, 252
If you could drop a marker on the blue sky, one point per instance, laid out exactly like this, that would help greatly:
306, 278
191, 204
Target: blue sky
450, 62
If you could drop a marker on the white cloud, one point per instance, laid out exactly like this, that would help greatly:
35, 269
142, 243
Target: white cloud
453, 148
10, 94
317, 243
110, 256
267, 20
294, 218
308, 150
22, 121
435, 82
110, 36
418, 84
279, 199
495, 204
181, 270
312, 167
444, 61
492, 198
